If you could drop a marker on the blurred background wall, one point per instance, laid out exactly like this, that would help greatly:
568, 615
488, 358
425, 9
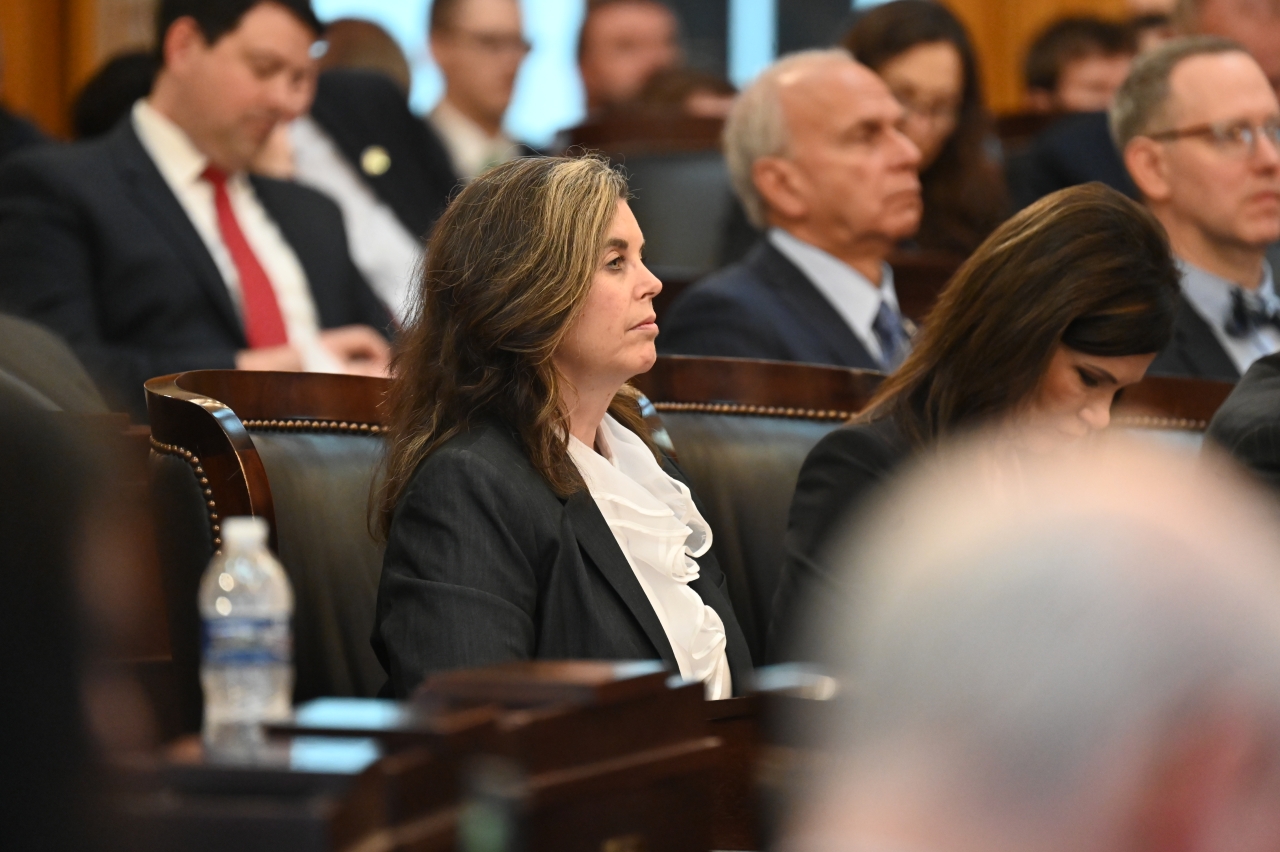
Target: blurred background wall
50, 47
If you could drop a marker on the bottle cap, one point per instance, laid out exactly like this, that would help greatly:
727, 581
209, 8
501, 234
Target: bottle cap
244, 532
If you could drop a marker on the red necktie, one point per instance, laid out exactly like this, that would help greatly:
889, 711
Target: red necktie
263, 324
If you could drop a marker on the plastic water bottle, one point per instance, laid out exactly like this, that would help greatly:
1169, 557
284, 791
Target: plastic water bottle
246, 604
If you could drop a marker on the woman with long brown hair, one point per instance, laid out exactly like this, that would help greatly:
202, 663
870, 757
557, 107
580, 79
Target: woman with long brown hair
526, 513
923, 54
1065, 304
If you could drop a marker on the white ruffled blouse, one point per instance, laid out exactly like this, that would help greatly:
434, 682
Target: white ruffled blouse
660, 532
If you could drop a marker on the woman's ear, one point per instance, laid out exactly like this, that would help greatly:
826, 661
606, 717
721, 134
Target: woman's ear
1148, 165
779, 185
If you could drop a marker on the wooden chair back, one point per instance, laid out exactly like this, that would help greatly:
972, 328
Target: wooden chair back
301, 451
741, 429
1174, 409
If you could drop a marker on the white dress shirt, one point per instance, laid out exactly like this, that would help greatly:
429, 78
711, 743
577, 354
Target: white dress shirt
181, 165
851, 293
1210, 296
660, 532
472, 150
382, 248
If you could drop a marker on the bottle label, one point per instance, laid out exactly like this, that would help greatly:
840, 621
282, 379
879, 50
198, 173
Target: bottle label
247, 642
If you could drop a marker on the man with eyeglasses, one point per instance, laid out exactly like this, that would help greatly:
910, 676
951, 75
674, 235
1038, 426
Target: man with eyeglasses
479, 47
1199, 128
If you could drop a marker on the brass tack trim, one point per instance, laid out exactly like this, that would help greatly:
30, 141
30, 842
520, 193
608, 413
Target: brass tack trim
1142, 421
742, 409
314, 426
192, 460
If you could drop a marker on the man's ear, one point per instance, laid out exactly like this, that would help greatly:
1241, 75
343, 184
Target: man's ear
181, 42
781, 187
1148, 165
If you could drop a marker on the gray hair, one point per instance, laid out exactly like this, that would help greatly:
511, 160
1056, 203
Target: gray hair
757, 127
1142, 100
1018, 622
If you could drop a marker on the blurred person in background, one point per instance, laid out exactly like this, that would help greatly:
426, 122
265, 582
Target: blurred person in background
1151, 30
479, 46
1053, 654
386, 168
925, 58
622, 44
364, 46
111, 92
152, 251
1077, 64
684, 90
1255, 24
819, 159
1199, 126
1080, 148
1065, 304
16, 132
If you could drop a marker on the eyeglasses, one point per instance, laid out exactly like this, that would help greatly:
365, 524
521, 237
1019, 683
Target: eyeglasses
1234, 138
495, 43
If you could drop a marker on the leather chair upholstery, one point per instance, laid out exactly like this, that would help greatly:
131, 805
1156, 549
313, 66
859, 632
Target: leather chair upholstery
39, 367
741, 430
300, 450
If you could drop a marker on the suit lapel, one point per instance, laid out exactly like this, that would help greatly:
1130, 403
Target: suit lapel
153, 195
1200, 347
597, 541
810, 306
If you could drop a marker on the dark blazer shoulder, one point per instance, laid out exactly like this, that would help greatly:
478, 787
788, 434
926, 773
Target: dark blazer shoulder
763, 306
1247, 424
844, 465
1194, 350
840, 472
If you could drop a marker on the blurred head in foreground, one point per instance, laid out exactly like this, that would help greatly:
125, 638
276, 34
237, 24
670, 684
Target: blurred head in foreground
1075, 652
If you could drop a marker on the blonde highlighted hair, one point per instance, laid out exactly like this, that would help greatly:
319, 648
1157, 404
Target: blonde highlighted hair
509, 266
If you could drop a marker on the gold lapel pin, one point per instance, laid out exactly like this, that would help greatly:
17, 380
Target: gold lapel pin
375, 161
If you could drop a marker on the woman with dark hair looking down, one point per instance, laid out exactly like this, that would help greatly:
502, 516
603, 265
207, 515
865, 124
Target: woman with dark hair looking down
923, 54
1065, 304
526, 512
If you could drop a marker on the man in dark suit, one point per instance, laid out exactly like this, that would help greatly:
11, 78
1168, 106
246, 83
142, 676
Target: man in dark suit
17, 133
1199, 126
817, 157
1075, 149
151, 251
386, 168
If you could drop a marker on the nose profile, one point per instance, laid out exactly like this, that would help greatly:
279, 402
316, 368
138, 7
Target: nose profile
910, 152
1097, 415
652, 284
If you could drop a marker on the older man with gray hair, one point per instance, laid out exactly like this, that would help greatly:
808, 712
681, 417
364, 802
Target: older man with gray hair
817, 156
1198, 125
1058, 654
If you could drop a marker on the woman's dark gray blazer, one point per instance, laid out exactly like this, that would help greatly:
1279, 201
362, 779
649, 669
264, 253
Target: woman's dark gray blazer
485, 564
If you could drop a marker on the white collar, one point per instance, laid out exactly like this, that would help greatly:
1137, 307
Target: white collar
172, 150
471, 148
659, 529
1211, 294
851, 293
